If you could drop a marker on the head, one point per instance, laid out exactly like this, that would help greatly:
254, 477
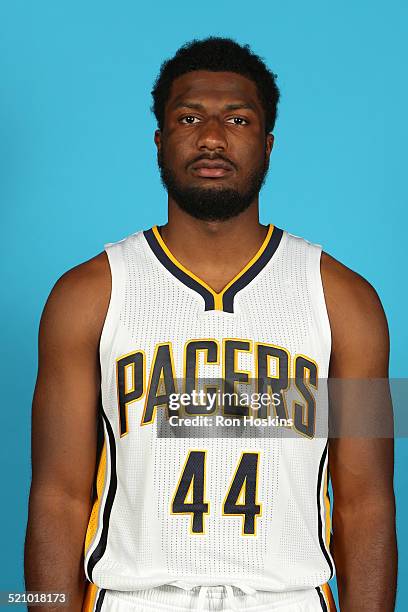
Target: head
216, 104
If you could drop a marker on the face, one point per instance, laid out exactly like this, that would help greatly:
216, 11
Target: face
213, 152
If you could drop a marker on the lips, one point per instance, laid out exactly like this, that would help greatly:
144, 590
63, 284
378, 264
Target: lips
211, 168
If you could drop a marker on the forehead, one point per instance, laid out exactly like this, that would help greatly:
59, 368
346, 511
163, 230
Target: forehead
202, 85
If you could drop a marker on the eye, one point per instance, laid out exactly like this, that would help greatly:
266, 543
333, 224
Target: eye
188, 119
241, 120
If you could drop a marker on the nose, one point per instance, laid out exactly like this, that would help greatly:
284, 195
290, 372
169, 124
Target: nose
212, 135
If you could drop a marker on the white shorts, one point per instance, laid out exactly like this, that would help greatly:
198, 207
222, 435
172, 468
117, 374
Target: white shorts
170, 598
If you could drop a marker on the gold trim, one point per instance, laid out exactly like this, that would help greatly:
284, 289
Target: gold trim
216, 295
93, 521
329, 597
90, 597
327, 510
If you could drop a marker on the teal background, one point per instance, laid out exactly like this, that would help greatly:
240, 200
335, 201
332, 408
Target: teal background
78, 165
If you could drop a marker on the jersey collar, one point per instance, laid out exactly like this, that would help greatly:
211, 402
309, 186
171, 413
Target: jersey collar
213, 300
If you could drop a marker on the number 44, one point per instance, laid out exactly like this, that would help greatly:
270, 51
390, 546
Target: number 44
240, 499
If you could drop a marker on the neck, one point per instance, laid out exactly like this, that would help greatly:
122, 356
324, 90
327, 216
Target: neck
214, 250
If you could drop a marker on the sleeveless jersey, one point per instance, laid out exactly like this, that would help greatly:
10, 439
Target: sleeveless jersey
246, 507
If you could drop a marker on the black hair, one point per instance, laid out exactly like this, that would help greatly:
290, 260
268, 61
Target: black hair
218, 55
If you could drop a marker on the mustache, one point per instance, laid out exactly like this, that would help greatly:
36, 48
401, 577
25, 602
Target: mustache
216, 157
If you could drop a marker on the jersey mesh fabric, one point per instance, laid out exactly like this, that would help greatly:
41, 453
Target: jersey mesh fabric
137, 542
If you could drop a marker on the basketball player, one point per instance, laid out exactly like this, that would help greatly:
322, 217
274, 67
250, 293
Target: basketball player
225, 522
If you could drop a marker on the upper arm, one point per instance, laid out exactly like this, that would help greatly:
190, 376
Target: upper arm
360, 340
66, 396
361, 446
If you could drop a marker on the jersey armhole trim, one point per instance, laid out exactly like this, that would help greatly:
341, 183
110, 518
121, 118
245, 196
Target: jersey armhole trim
111, 322
322, 314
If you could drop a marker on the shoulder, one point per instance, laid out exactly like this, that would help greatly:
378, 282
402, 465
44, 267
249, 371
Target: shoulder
79, 299
357, 318
343, 285
85, 282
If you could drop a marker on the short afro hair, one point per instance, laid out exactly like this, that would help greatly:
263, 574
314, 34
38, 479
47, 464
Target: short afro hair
218, 55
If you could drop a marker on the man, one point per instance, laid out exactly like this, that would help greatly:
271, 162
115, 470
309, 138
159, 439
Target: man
231, 521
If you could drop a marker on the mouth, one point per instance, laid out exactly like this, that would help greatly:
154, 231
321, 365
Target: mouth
211, 169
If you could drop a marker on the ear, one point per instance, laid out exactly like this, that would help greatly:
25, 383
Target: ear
270, 139
157, 140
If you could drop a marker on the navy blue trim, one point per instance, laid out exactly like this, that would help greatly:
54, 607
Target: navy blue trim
240, 283
322, 602
319, 518
176, 271
253, 271
100, 599
101, 547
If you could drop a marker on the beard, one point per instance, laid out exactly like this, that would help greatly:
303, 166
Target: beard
212, 204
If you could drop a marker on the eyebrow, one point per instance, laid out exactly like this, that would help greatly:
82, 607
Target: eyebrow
227, 107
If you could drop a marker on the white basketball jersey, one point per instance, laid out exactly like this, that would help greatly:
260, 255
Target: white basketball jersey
246, 505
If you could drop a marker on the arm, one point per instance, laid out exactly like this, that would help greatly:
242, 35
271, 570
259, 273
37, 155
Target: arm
64, 431
361, 468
